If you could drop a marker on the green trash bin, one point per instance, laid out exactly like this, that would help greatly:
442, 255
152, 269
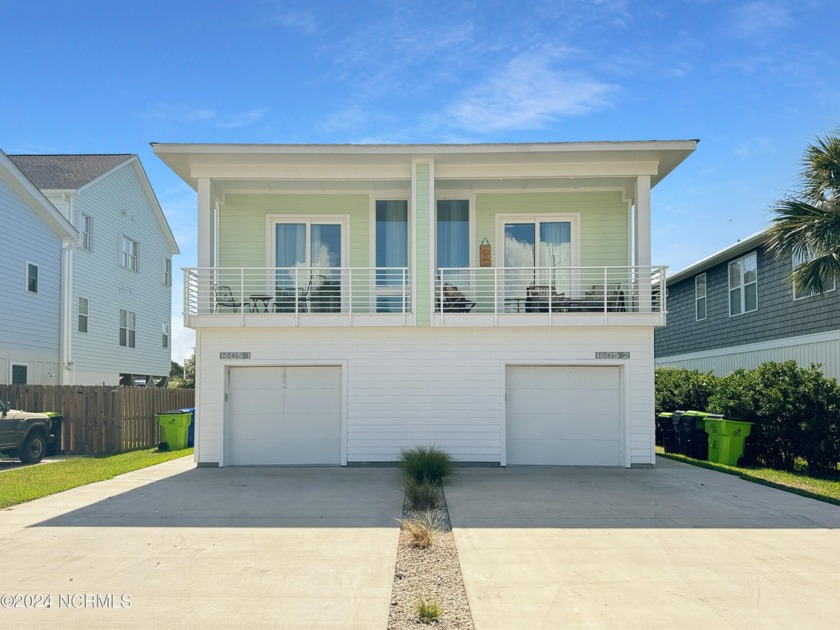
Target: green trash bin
726, 439
174, 429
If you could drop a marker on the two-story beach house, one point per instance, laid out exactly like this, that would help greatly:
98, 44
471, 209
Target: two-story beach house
115, 324
494, 300
737, 309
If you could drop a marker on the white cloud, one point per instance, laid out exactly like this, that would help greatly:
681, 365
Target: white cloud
529, 92
181, 113
758, 18
301, 21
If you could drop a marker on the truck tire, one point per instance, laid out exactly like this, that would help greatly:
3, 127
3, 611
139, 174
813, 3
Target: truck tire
34, 447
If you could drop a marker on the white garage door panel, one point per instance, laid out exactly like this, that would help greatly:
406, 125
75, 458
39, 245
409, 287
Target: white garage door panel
284, 415
563, 415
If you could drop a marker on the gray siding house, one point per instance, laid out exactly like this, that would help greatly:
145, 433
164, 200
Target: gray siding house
736, 309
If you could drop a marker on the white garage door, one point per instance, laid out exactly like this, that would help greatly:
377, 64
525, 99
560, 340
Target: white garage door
563, 415
284, 415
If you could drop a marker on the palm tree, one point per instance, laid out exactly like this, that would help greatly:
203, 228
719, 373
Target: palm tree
806, 227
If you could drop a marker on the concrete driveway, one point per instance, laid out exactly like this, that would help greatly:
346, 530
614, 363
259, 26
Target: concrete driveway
670, 547
177, 547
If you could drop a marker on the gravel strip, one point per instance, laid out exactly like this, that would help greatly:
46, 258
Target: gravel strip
433, 573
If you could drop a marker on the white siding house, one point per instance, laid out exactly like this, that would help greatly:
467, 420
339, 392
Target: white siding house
35, 253
116, 329
496, 301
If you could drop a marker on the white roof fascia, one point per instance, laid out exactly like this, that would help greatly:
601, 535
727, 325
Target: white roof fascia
741, 247
36, 199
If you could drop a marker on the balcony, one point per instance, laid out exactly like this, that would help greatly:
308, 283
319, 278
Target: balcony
550, 296
377, 296
297, 296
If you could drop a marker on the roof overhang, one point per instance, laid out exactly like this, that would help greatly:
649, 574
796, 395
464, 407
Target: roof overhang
733, 251
278, 167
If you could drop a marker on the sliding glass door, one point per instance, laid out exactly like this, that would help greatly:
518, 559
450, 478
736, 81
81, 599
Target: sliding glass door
391, 290
309, 254
540, 253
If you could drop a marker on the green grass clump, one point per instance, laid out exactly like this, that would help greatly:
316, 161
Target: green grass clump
821, 488
426, 463
422, 495
428, 610
33, 482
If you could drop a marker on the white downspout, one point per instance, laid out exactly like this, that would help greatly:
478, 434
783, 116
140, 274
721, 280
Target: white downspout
66, 315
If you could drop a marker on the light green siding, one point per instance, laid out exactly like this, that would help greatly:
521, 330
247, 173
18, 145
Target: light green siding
422, 242
604, 220
243, 224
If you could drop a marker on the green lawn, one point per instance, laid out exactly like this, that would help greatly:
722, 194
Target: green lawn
33, 482
823, 489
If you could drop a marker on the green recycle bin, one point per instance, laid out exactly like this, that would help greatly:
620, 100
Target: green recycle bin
726, 439
174, 429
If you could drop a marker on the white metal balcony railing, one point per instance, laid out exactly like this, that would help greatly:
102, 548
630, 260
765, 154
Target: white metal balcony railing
557, 290
469, 290
296, 290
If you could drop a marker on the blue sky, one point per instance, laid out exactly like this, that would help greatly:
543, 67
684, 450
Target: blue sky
755, 81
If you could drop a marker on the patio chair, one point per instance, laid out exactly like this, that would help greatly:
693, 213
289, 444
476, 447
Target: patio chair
224, 297
454, 301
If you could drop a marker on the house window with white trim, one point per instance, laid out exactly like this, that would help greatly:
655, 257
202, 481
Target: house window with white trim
128, 325
19, 373
86, 232
31, 277
164, 329
167, 272
700, 297
743, 285
130, 253
83, 315
801, 259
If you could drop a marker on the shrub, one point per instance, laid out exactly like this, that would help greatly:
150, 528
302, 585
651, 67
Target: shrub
426, 463
677, 388
794, 411
428, 610
422, 495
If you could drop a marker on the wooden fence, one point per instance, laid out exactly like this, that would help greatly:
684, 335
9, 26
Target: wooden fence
101, 419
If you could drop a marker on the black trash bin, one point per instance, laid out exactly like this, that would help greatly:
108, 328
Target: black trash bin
665, 431
684, 428
699, 441
54, 441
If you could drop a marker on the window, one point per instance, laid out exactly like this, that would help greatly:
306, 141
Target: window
798, 295
127, 328
164, 329
391, 253
130, 252
31, 278
86, 231
167, 272
19, 374
700, 296
743, 285
83, 315
453, 233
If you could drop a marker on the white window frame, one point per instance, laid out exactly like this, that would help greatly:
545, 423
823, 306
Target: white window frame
795, 261
86, 232
37, 277
698, 299
742, 286
12, 367
128, 323
83, 313
130, 254
164, 329
167, 272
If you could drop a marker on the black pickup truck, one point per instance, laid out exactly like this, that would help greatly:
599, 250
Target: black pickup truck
23, 434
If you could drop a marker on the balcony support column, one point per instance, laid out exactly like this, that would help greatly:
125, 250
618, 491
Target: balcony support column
642, 246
